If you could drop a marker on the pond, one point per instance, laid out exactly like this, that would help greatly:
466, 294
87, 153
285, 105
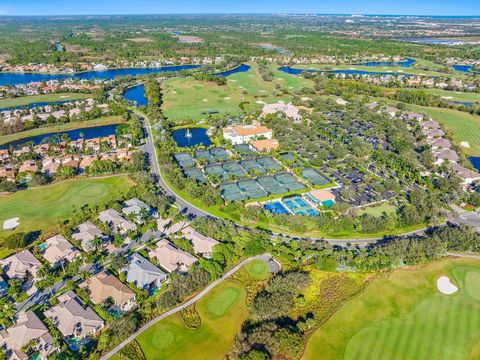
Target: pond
9, 78
467, 69
88, 133
136, 94
190, 137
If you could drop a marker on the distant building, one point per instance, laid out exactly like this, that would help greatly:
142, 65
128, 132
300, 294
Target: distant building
264, 145
241, 134
290, 110
143, 273
322, 196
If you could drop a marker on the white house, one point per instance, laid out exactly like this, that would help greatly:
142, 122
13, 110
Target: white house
241, 134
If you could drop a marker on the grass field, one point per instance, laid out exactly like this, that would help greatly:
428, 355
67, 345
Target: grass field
25, 100
222, 312
405, 317
41, 208
465, 127
64, 127
378, 210
187, 98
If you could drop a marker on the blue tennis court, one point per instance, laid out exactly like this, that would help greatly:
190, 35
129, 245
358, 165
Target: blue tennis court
276, 208
299, 206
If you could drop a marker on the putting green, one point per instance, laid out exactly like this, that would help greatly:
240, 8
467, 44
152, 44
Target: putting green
222, 312
41, 208
258, 270
406, 317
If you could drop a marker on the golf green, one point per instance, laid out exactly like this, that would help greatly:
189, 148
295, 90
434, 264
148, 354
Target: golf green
406, 317
222, 312
44, 207
258, 269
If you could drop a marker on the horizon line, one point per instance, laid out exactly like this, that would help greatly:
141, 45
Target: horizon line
246, 13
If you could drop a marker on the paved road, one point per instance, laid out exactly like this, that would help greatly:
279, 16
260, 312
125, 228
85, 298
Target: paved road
190, 210
466, 256
267, 257
185, 207
470, 218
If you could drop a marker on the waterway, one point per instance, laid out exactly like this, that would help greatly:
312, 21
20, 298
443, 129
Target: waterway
239, 69
85, 133
294, 71
475, 160
9, 78
190, 137
404, 64
37, 104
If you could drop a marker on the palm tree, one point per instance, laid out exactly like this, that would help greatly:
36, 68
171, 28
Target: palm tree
7, 312
97, 242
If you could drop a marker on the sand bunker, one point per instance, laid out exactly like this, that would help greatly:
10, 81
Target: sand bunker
11, 224
445, 286
465, 144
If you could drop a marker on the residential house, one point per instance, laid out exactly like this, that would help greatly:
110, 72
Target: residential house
264, 145
123, 155
21, 265
87, 161
86, 233
138, 208
467, 175
72, 318
27, 328
439, 143
7, 173
240, 134
114, 220
432, 133
430, 124
72, 161
290, 110
105, 286
172, 258
143, 273
445, 155
57, 250
202, 245
50, 165
28, 166
3, 287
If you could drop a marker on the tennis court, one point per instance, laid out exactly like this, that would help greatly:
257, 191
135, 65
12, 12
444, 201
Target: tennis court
268, 163
252, 189
276, 208
235, 169
243, 149
299, 206
292, 160
218, 154
184, 160
252, 167
314, 177
203, 156
214, 171
232, 192
288, 180
196, 174
271, 185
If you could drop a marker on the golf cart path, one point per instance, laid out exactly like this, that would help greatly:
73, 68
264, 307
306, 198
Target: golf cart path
266, 257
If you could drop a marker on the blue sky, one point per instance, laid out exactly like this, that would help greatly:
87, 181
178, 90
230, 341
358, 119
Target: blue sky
80, 7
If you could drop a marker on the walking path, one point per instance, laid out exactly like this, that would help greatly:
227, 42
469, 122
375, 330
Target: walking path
266, 257
466, 256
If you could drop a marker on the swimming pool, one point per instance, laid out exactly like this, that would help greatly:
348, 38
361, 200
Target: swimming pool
276, 208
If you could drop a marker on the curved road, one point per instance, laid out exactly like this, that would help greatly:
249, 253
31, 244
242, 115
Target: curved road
189, 209
266, 257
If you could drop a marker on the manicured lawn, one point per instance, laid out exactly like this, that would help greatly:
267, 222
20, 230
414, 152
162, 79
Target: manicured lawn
222, 312
186, 98
378, 210
21, 101
404, 316
64, 127
452, 95
41, 208
258, 269
466, 127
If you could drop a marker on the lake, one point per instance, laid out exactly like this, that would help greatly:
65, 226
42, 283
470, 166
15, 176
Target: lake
404, 64
9, 78
475, 160
38, 104
88, 133
293, 71
464, 68
136, 94
197, 136
239, 69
